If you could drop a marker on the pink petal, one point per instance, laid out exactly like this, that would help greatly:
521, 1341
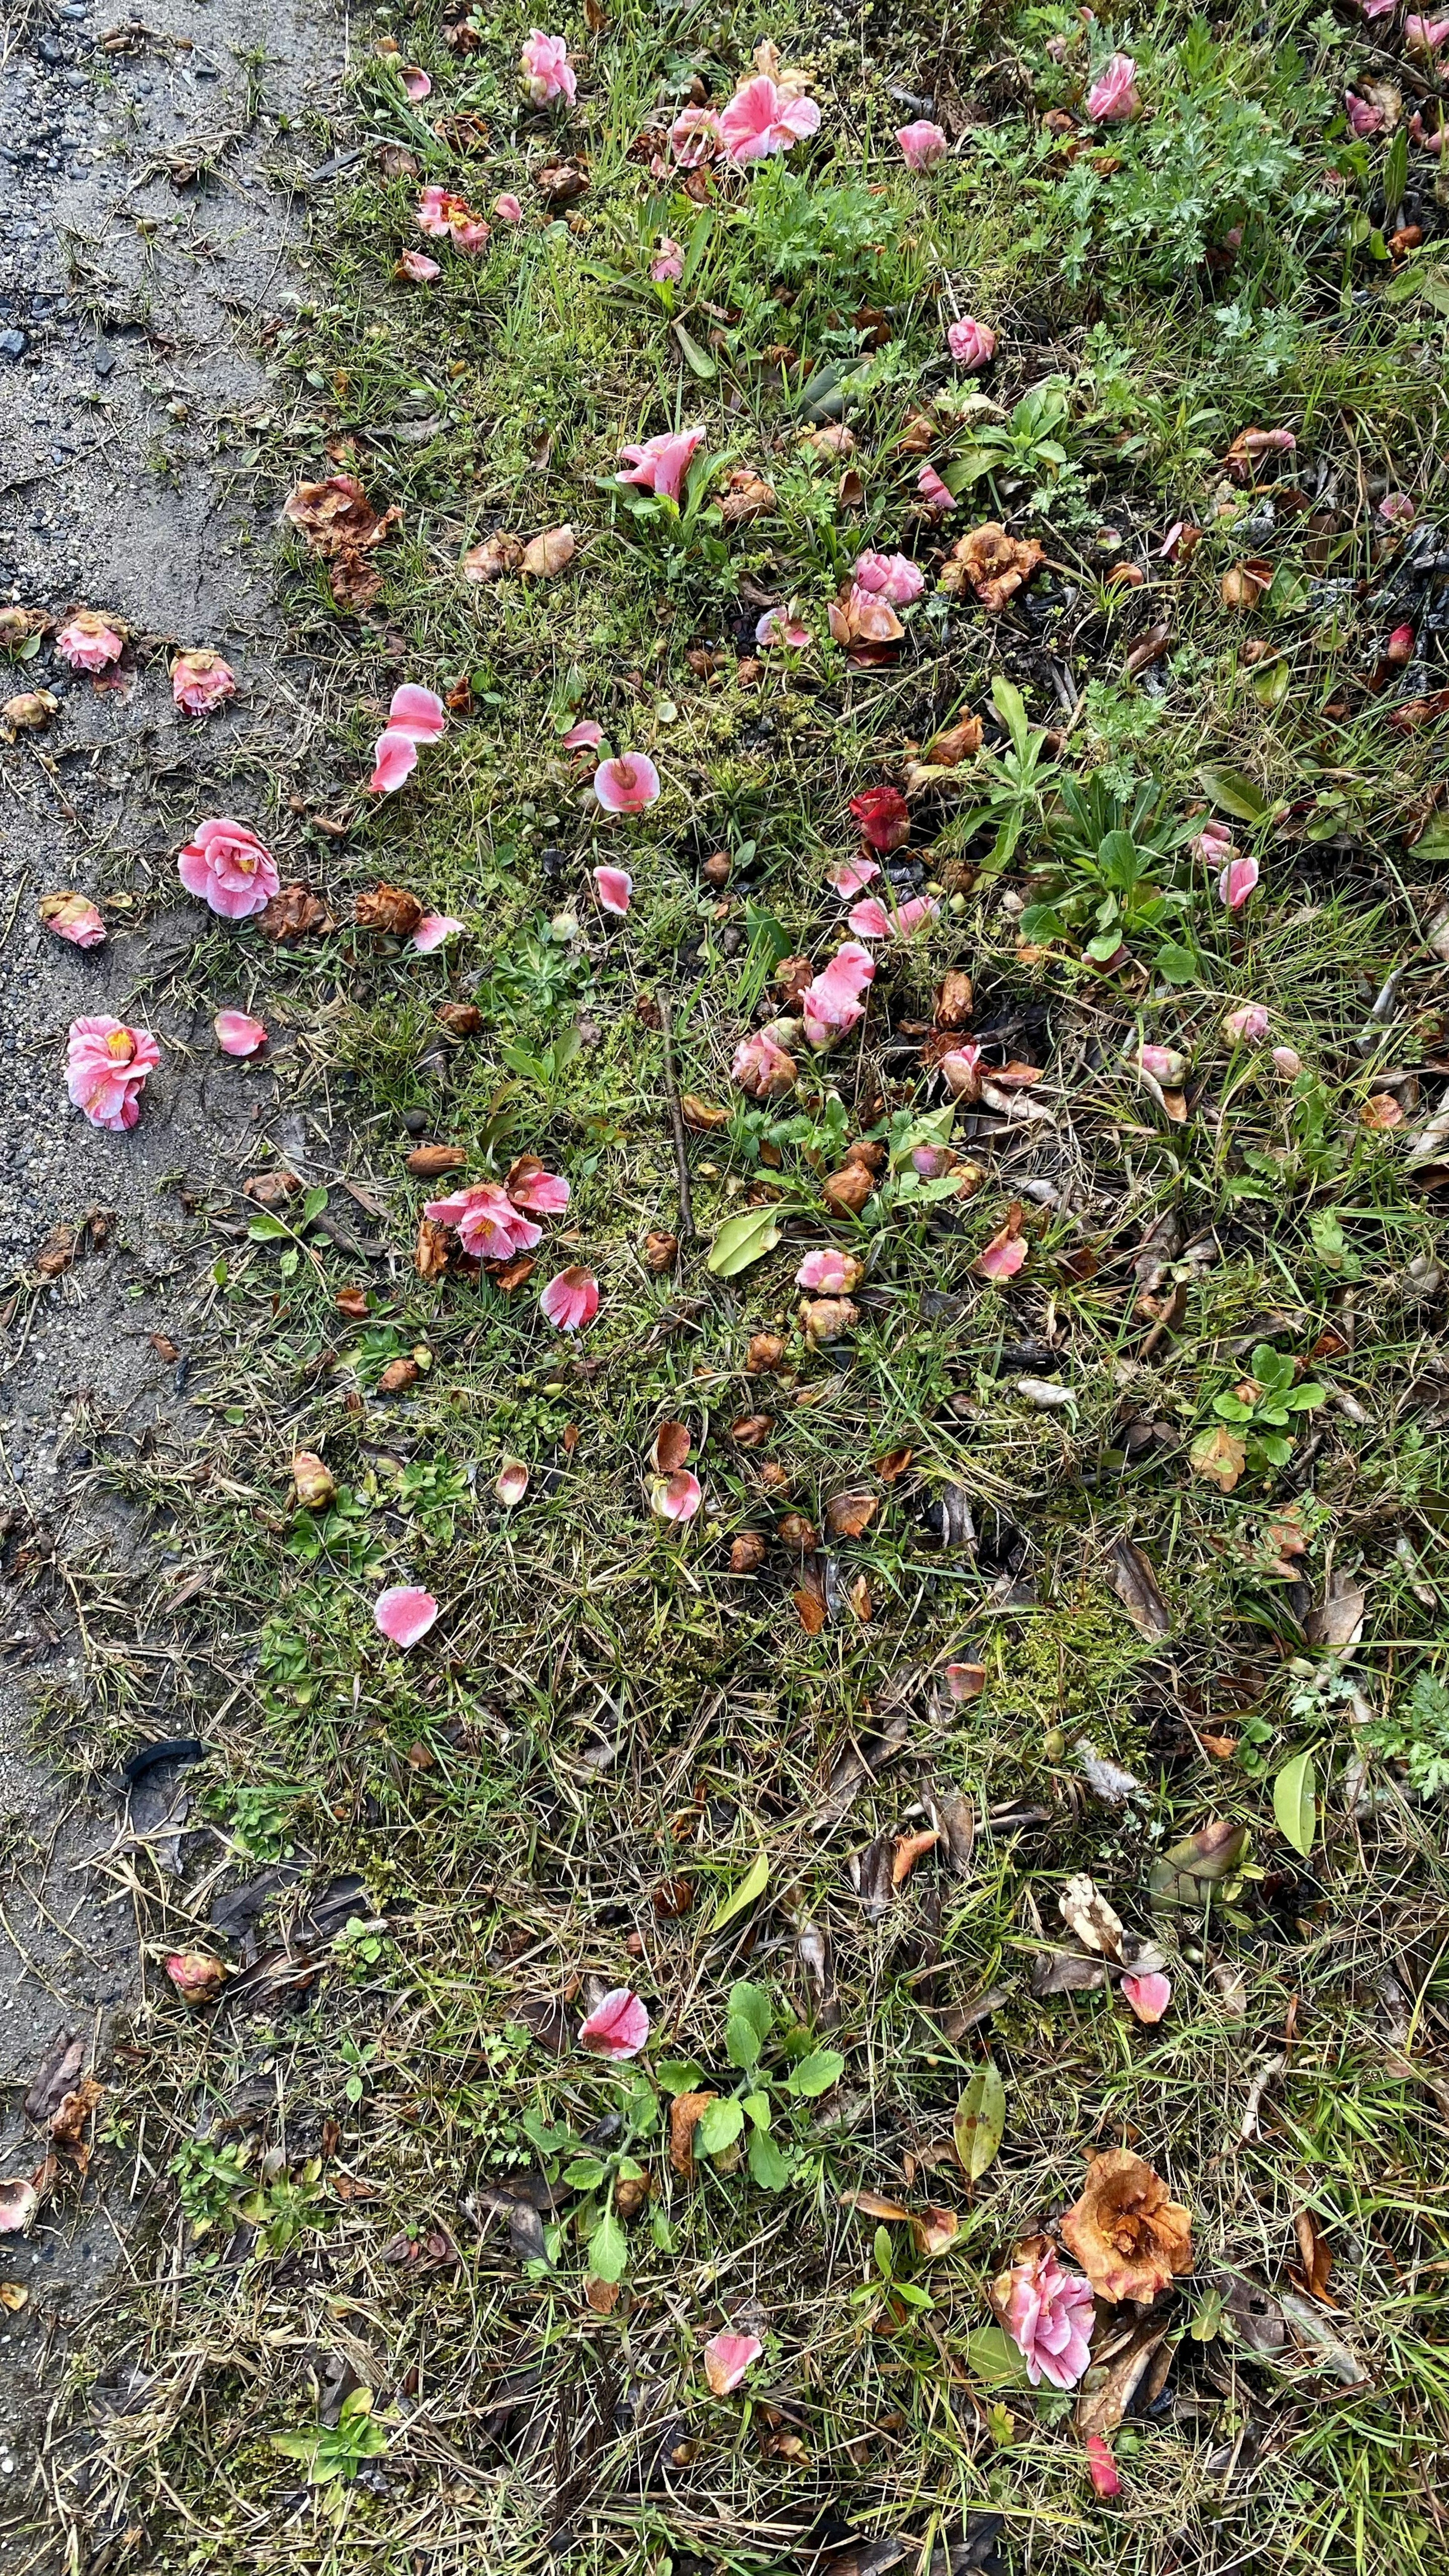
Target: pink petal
571, 1301
613, 887
1002, 1258
508, 210
1149, 1997
870, 920
417, 84
238, 1035
1288, 1062
726, 2359
677, 1497
617, 2027
1101, 2467
511, 1483
434, 930
19, 2201
852, 874
583, 737
1247, 1024
417, 713
396, 757
626, 784
405, 1613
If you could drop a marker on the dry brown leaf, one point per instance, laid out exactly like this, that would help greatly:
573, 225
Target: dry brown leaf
1316, 2257
425, 1162
847, 1190
460, 1019
907, 1849
848, 1515
1124, 2358
810, 1610
271, 1189
492, 559
934, 2229
684, 2115
746, 495
672, 1445
765, 1351
432, 1249
1135, 1585
872, 2205
961, 741
702, 1115
827, 1319
1088, 1914
336, 517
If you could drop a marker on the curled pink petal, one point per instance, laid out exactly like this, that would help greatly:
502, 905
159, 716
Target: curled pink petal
529, 1186
73, 917
1149, 1996
726, 2359
236, 1034
777, 626
571, 1301
937, 495
229, 868
416, 266
1101, 2467
613, 886
676, 1497
404, 1613
661, 463
583, 737
507, 209
829, 1272
626, 784
1287, 1061
547, 71
695, 137
870, 920
395, 757
617, 2027
852, 874
762, 1067
417, 712
960, 1071
667, 266
417, 84
835, 1000
1399, 509
511, 1483
909, 916
1236, 882
434, 931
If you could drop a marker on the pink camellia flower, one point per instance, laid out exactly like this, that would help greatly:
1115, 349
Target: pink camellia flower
852, 874
201, 680
726, 2359
229, 868
626, 784
89, 642
617, 2027
1361, 116
547, 71
1101, 2467
695, 137
667, 266
106, 1064
1165, 1064
777, 626
238, 1035
1148, 1996
1246, 1025
417, 84
1236, 882
762, 118
762, 1067
829, 1272
833, 1002
416, 265
434, 931
1113, 97
661, 463
676, 1497
489, 1223
892, 577
1213, 845
404, 1613
1288, 1062
937, 495
450, 218
507, 209
972, 344
1398, 508
613, 886
571, 1301
582, 737
1049, 2319
922, 144
71, 917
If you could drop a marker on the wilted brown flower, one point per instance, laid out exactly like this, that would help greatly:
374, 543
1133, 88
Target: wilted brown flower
313, 1480
747, 1553
661, 1251
389, 908
766, 1351
460, 1019
29, 712
746, 495
994, 565
864, 623
847, 1190
293, 913
1124, 2231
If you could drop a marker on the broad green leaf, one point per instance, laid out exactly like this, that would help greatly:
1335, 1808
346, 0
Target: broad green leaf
993, 2359
608, 2249
675, 2075
751, 1888
1295, 1802
698, 360
1010, 705
756, 2108
768, 2167
980, 2120
699, 242
742, 1240
749, 2016
1272, 683
1433, 844
312, 1205
268, 1229
584, 2174
718, 2126
816, 2073
1234, 793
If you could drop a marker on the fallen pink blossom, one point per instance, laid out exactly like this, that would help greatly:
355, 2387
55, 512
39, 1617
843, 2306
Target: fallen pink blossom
852, 874
972, 344
1213, 845
490, 1226
870, 920
394, 758
434, 931
1236, 883
571, 1301
893, 577
1101, 2467
417, 84
529, 1186
959, 1071
416, 266
1048, 2315
1165, 1064
1005, 1254
19, 2202
937, 495
547, 71
1113, 95
1399, 509
922, 144
89, 642
1288, 1062
107, 1062
511, 1483
1148, 1996
695, 137
829, 1272
833, 1002
617, 2027
417, 712
763, 118
1247, 1024
726, 2359
1364, 118
230, 870
777, 626
404, 1613
659, 464
762, 1067
613, 886
450, 218
236, 1034
626, 784
72, 917
667, 266
676, 1497
201, 680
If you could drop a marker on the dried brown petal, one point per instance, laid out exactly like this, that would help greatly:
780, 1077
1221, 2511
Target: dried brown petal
747, 1553
425, 1162
765, 1351
293, 913
490, 561
312, 1480
545, 555
389, 909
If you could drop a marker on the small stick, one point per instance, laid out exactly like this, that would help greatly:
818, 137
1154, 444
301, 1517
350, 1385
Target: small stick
676, 1121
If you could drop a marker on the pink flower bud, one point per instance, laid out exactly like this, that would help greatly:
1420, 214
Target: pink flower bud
972, 344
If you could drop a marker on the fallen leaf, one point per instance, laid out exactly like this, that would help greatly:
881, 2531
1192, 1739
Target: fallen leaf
492, 559
746, 495
1088, 1914
849, 1515
546, 555
1135, 1585
1316, 2257
1121, 2369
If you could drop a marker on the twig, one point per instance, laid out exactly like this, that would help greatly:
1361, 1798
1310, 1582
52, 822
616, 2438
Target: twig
676, 1122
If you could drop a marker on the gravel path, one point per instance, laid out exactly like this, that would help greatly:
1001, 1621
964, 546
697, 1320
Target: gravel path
145, 225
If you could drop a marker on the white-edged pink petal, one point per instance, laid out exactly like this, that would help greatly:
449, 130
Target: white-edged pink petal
613, 886
395, 757
404, 1613
726, 2359
236, 1034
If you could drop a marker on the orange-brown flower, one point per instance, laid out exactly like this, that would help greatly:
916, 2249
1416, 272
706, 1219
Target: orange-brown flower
1124, 2231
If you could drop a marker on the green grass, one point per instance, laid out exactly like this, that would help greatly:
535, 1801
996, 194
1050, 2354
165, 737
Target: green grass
608, 1726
